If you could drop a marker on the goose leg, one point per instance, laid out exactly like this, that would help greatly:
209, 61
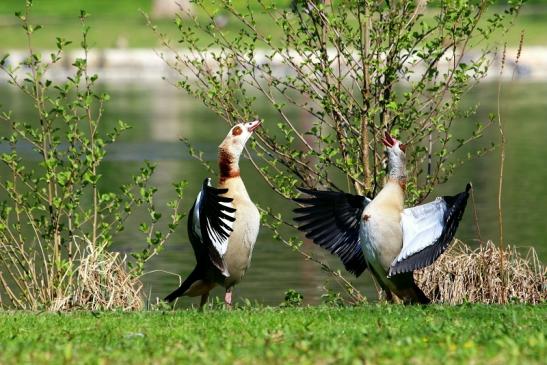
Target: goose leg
387, 292
203, 300
408, 291
389, 295
228, 298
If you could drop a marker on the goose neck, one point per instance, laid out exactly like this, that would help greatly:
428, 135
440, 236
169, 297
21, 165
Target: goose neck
228, 165
397, 169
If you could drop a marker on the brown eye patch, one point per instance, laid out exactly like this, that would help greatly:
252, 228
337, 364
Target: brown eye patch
236, 131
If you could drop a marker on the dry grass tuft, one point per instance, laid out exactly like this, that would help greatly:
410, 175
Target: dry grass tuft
93, 279
471, 275
102, 283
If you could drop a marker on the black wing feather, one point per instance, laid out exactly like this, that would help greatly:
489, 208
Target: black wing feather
455, 208
214, 212
332, 220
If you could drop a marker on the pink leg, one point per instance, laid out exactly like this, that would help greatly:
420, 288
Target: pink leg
228, 298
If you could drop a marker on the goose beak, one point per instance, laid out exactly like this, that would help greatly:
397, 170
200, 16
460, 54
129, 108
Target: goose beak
388, 141
253, 125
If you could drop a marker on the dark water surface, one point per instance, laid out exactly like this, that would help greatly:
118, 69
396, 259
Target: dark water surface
160, 115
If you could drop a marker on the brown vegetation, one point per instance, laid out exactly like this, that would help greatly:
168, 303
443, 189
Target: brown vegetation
471, 275
100, 280
104, 283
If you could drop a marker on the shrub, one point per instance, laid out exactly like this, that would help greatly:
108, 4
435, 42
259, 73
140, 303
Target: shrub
57, 223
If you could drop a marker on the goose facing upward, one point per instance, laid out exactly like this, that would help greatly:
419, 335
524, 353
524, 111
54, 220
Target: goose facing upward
222, 225
379, 233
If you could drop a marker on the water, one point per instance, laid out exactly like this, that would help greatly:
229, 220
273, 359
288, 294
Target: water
160, 115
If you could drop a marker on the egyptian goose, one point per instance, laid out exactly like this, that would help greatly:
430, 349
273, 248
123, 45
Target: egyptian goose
222, 225
379, 233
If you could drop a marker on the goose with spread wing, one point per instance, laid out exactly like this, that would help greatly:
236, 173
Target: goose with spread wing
380, 234
222, 225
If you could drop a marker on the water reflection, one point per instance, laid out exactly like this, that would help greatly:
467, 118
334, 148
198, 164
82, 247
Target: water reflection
160, 115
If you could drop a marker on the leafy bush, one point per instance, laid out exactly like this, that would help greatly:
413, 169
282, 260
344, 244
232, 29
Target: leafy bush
57, 222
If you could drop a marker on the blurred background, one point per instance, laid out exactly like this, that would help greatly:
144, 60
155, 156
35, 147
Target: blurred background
161, 114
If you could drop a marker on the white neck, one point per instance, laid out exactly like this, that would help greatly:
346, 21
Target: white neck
396, 167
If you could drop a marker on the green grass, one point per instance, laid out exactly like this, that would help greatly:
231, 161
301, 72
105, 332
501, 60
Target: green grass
63, 8
373, 334
110, 22
115, 22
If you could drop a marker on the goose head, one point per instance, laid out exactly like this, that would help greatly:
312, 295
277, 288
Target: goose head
231, 148
394, 146
396, 156
237, 137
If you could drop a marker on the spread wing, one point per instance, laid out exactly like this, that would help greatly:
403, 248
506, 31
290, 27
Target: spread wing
428, 230
332, 220
212, 220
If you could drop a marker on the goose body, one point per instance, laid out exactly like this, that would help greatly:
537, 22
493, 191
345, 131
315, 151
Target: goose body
380, 234
381, 238
223, 225
245, 231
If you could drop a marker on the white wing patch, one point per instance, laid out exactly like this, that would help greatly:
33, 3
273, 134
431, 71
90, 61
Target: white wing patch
422, 226
196, 221
220, 239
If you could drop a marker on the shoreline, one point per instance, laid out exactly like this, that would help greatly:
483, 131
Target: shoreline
145, 64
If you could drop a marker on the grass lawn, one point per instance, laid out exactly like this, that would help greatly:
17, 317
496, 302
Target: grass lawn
371, 334
119, 22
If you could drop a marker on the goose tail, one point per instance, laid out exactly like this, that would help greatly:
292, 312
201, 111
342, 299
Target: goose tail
181, 290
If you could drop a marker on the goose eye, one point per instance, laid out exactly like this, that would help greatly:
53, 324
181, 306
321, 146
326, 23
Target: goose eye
236, 131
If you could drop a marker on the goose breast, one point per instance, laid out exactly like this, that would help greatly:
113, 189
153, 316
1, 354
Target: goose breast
242, 240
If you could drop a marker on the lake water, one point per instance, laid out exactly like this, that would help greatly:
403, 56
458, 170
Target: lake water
160, 115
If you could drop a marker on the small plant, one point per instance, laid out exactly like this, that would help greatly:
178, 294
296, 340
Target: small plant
332, 299
292, 299
57, 221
